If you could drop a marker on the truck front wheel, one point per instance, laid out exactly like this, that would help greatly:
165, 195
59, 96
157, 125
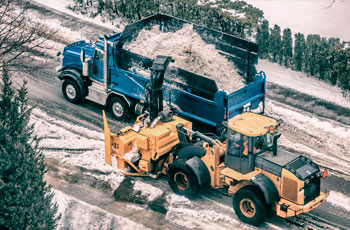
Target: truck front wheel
249, 206
118, 108
182, 180
71, 91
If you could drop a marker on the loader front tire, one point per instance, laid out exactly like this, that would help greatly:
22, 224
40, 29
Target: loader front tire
71, 91
249, 206
182, 180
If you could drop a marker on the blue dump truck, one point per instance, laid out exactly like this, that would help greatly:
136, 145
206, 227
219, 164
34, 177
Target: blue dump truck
100, 72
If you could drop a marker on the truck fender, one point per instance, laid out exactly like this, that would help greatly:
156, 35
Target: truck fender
126, 99
199, 169
191, 151
76, 76
267, 187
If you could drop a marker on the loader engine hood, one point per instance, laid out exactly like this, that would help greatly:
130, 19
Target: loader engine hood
302, 167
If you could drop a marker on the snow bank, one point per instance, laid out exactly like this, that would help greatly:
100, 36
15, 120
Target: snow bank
301, 82
340, 200
190, 53
74, 145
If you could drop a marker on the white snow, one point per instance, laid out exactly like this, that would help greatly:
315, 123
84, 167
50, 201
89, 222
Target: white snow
74, 145
339, 199
190, 53
308, 16
61, 5
77, 214
301, 82
148, 190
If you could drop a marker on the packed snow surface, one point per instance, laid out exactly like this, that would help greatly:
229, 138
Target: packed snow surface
190, 53
325, 17
77, 214
340, 200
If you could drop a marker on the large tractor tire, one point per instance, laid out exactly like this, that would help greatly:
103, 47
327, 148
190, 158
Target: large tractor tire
182, 180
118, 108
249, 206
71, 91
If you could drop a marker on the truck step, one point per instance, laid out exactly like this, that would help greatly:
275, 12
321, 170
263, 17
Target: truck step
97, 93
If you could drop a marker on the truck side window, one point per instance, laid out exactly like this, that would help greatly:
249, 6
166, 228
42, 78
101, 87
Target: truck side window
234, 140
98, 55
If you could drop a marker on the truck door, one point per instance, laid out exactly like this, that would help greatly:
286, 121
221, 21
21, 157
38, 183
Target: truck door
98, 66
235, 157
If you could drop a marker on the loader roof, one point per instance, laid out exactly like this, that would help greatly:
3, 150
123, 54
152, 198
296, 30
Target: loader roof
251, 124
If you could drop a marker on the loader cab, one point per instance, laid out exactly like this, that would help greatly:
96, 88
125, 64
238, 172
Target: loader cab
248, 135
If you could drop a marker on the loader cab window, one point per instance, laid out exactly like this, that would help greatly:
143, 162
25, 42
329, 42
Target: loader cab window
262, 143
234, 143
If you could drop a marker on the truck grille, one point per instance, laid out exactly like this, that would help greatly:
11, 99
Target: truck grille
312, 190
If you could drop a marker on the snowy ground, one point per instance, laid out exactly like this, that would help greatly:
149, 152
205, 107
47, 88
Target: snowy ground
79, 146
308, 16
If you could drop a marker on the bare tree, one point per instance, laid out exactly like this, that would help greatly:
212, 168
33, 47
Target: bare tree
21, 38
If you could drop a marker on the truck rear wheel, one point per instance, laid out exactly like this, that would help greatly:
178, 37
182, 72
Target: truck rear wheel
249, 207
118, 108
182, 180
71, 91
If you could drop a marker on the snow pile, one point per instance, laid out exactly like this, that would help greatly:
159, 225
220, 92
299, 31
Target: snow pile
77, 214
340, 200
74, 145
147, 190
190, 53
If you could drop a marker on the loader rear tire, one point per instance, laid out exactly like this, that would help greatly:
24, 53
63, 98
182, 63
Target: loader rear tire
249, 206
182, 180
71, 91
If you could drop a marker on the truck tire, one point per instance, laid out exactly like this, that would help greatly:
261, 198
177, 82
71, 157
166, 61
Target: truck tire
249, 206
71, 91
182, 180
118, 108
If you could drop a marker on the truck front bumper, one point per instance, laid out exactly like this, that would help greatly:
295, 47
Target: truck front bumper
286, 208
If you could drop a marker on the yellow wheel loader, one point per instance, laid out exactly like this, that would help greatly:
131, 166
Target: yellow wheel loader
248, 163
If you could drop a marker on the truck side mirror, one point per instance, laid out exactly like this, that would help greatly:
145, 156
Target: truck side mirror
82, 55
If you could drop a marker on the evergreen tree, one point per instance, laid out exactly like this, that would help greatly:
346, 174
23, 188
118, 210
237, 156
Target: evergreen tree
287, 47
25, 200
262, 38
275, 46
322, 59
299, 49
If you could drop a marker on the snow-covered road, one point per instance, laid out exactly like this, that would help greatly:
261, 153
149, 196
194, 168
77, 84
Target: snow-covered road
72, 140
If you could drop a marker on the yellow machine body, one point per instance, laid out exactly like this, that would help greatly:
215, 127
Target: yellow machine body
151, 143
155, 145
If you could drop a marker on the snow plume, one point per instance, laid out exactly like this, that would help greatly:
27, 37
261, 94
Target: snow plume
190, 53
